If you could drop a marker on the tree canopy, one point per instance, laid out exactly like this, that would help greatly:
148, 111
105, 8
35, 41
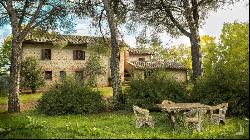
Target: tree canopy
45, 14
5, 52
179, 17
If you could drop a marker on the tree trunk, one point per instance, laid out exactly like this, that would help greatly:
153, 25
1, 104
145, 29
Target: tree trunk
196, 55
192, 17
14, 83
115, 54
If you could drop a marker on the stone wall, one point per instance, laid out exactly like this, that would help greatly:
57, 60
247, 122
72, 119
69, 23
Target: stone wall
179, 75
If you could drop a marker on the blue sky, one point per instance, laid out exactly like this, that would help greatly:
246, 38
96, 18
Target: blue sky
213, 25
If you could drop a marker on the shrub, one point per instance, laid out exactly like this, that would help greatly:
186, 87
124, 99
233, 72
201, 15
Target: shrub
224, 86
150, 91
70, 97
31, 74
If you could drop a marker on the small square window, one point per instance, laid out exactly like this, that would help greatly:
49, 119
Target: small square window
46, 54
78, 55
62, 74
48, 75
141, 59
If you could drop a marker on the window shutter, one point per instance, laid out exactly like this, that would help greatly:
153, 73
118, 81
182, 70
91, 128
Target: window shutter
49, 53
74, 54
83, 55
43, 54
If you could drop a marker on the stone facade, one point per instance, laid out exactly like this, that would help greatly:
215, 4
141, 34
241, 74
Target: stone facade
133, 62
62, 60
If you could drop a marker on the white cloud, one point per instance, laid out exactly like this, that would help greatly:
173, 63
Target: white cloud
214, 23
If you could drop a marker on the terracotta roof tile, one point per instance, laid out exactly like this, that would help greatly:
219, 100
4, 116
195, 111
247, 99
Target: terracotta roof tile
74, 39
156, 65
139, 51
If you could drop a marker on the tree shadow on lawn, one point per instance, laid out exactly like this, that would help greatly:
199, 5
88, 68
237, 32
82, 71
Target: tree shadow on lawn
24, 107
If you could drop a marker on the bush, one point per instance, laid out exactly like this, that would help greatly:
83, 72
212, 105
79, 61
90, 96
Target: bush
4, 85
70, 97
150, 91
224, 86
31, 73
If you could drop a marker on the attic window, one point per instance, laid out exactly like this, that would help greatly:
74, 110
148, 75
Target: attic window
78, 55
141, 59
46, 54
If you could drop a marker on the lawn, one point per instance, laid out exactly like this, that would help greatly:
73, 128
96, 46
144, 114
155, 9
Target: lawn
28, 97
31, 124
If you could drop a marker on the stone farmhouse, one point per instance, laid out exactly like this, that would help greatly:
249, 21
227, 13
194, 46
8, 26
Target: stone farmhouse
69, 60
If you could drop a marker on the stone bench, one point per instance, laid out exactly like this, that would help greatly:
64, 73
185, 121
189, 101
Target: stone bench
218, 113
195, 116
142, 117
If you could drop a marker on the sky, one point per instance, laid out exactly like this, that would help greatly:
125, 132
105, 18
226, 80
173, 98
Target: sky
213, 25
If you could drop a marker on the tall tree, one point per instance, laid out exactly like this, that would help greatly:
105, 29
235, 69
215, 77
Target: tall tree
114, 13
115, 53
179, 17
45, 14
234, 48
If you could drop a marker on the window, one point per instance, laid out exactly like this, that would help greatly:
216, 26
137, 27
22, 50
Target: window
141, 59
78, 55
79, 75
62, 74
48, 75
147, 73
46, 54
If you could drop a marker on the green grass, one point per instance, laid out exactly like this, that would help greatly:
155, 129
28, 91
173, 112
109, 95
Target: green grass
24, 98
107, 125
31, 124
107, 91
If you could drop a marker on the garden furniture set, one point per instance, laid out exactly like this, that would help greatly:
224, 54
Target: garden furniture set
190, 113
